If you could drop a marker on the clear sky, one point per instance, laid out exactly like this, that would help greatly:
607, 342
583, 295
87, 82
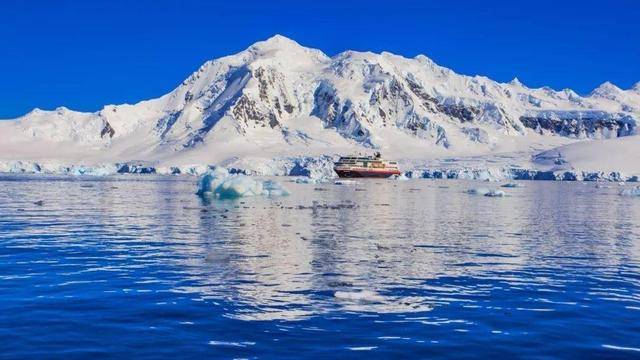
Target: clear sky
84, 54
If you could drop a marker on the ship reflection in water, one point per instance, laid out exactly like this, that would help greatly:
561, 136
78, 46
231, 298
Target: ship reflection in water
383, 266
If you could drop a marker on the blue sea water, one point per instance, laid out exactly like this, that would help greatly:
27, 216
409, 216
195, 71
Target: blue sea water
140, 267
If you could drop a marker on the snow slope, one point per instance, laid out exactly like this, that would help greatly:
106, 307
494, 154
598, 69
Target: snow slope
279, 100
621, 154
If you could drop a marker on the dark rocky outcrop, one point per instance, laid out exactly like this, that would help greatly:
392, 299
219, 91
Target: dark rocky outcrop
107, 130
597, 124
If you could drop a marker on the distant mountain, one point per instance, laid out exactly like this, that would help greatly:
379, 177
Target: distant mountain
278, 98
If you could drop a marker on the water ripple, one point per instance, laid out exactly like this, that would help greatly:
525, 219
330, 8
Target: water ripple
140, 266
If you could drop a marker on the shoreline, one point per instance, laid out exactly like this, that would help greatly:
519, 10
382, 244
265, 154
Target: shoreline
318, 169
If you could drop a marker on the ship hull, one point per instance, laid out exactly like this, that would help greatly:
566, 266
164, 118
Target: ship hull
348, 173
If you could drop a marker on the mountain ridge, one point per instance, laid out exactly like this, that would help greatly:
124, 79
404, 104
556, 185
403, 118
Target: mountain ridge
278, 98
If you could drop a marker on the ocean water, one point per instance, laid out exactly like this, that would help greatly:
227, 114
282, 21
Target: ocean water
140, 267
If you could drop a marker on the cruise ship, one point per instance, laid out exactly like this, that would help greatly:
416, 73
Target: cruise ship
365, 166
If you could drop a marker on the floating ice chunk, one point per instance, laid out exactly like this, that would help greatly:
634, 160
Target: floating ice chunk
602, 186
401, 177
273, 188
631, 192
512, 185
345, 182
211, 180
477, 191
219, 183
495, 193
486, 192
304, 180
309, 180
238, 186
363, 295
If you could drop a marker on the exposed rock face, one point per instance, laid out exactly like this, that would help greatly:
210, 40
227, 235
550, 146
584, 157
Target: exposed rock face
246, 110
337, 114
459, 111
476, 134
107, 130
580, 124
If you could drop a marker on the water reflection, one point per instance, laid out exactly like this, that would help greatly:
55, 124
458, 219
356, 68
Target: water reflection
379, 247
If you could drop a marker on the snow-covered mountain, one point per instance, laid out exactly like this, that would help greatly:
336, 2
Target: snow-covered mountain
278, 98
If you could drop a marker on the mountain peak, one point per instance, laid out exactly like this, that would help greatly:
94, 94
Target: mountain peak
276, 42
608, 85
606, 89
286, 50
516, 82
636, 87
423, 59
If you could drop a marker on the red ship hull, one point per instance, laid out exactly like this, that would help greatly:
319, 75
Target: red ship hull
362, 173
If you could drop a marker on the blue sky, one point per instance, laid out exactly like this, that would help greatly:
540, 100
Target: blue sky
84, 54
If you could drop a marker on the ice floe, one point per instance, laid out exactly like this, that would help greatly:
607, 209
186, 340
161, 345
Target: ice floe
485, 192
401, 177
631, 192
495, 193
345, 182
309, 180
511, 185
477, 191
223, 185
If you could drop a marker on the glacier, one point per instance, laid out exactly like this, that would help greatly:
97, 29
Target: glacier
279, 108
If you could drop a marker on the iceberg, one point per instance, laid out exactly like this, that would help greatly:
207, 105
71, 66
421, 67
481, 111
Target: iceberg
220, 184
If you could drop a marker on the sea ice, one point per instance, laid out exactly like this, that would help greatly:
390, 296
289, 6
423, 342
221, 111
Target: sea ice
495, 193
477, 191
401, 177
309, 180
345, 182
273, 188
512, 185
219, 183
631, 192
